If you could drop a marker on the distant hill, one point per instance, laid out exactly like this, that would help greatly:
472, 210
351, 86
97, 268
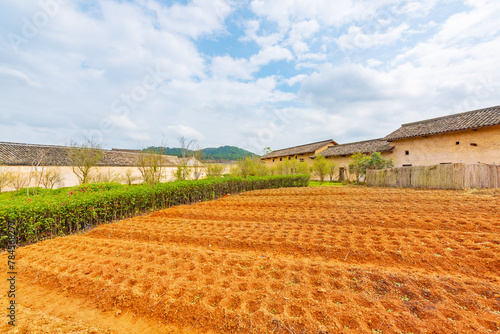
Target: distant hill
210, 153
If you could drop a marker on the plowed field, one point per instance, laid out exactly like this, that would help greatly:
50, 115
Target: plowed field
296, 260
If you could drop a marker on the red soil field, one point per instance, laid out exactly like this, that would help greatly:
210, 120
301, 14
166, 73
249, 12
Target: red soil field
295, 260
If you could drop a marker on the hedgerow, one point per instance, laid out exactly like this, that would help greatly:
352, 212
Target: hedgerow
67, 210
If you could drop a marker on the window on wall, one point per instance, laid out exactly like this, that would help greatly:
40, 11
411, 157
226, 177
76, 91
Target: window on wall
281, 159
457, 143
407, 152
407, 165
473, 144
289, 158
295, 157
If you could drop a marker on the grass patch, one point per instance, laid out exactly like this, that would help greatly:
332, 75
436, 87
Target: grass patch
326, 184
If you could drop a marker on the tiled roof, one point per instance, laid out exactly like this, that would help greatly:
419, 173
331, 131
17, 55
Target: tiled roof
27, 154
302, 149
367, 146
463, 121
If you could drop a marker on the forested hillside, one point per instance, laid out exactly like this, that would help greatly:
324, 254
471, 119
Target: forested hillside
210, 153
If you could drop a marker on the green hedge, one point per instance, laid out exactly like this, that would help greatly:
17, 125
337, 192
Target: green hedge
67, 210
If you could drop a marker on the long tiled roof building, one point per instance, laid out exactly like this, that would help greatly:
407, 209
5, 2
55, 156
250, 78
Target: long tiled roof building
17, 154
457, 122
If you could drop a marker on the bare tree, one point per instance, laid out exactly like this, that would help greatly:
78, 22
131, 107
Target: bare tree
6, 178
83, 157
185, 145
35, 174
50, 177
19, 180
182, 171
104, 177
197, 155
129, 177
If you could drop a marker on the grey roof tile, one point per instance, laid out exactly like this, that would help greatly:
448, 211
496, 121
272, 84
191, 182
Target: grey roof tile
27, 154
457, 122
366, 146
301, 149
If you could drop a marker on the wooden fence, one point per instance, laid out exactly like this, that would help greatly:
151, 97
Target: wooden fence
448, 176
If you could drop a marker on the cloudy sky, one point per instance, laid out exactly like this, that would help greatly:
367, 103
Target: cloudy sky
253, 73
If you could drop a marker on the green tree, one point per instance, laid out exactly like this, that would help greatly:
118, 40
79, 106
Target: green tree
182, 172
83, 157
151, 165
250, 167
332, 168
361, 163
320, 167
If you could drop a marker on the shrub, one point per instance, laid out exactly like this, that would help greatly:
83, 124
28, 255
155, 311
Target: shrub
249, 167
214, 170
361, 163
66, 210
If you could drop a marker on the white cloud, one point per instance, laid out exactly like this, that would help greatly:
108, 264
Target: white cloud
123, 122
273, 53
7, 72
186, 131
357, 39
195, 19
193, 75
296, 79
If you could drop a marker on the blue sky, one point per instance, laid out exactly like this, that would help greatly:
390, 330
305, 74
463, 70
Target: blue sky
248, 73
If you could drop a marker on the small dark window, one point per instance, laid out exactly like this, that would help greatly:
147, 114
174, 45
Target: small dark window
408, 165
295, 157
407, 152
445, 163
473, 144
273, 160
281, 159
343, 155
289, 158
457, 143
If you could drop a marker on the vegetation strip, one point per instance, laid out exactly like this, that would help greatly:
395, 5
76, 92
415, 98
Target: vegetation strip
66, 210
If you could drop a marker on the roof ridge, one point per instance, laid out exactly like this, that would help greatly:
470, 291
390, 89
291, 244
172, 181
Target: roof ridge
31, 145
287, 148
361, 141
451, 116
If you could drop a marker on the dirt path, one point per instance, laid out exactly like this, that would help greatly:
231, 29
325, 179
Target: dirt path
317, 260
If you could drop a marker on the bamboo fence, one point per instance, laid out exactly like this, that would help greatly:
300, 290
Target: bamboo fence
446, 176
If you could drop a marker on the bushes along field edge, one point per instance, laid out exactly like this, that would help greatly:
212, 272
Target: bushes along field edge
68, 210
